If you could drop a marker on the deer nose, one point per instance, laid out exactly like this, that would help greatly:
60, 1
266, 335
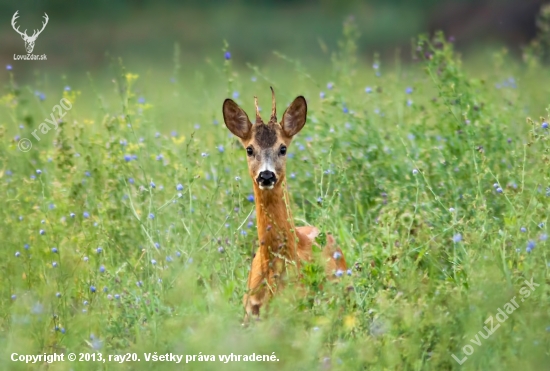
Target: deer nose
266, 175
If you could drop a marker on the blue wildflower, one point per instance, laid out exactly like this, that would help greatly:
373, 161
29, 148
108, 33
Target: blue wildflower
99, 250
86, 214
17, 254
339, 273
152, 184
42, 232
221, 149
151, 216
544, 125
9, 67
330, 85
127, 158
250, 198
179, 187
153, 261
227, 56
523, 229
530, 246
409, 90
54, 250
92, 289
102, 269
67, 88
368, 90
141, 100
38, 171
457, 238
54, 264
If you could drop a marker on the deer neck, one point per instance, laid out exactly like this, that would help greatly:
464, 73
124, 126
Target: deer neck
276, 232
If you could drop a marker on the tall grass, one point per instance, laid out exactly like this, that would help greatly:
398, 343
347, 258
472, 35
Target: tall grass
433, 178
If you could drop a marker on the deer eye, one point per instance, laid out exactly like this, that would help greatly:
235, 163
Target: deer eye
282, 151
249, 151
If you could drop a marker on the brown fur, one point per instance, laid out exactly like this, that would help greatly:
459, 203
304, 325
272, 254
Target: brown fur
282, 246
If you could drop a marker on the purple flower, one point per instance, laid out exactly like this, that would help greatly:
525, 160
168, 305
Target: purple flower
322, 95
99, 250
179, 187
127, 158
409, 90
102, 269
92, 289
339, 273
368, 90
86, 214
141, 100
151, 216
54, 250
250, 198
530, 246
153, 261
38, 171
42, 232
523, 229
153, 185
67, 88
330, 85
9, 67
227, 56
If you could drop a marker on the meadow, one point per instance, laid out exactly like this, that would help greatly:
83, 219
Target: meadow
131, 228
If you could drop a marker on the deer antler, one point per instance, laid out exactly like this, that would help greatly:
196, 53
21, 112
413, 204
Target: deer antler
258, 117
273, 106
15, 16
35, 34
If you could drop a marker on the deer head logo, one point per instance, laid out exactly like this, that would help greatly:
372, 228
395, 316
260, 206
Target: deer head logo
29, 40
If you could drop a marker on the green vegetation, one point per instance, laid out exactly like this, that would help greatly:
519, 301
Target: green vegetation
433, 178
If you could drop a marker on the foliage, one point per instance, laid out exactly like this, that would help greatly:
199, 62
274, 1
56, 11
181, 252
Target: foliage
434, 183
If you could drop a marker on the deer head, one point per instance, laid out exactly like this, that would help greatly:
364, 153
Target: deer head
29, 40
266, 144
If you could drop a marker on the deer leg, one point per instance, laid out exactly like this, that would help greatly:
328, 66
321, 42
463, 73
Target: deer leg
257, 292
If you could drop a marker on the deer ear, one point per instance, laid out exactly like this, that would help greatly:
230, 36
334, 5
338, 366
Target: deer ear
294, 117
236, 119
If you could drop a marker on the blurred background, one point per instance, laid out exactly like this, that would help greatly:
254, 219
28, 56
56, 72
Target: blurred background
86, 35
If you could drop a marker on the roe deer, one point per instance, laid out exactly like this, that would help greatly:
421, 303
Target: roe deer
281, 244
